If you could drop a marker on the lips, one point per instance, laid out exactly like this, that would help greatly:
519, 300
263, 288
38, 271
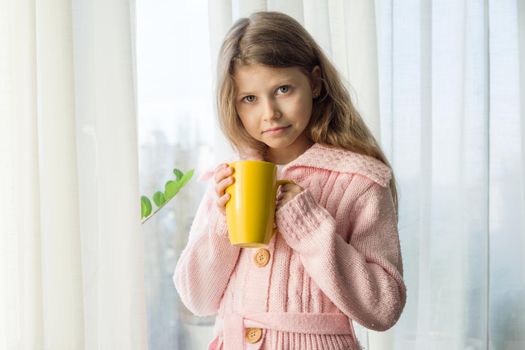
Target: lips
277, 128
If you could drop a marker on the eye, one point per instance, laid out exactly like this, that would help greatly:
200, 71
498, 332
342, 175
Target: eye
249, 98
283, 89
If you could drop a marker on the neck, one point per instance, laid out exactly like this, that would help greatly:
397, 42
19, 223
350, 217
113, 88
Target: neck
286, 155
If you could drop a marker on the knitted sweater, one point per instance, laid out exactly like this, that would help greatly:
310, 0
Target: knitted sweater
335, 259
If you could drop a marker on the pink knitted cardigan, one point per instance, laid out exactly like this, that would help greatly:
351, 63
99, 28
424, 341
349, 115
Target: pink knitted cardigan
335, 259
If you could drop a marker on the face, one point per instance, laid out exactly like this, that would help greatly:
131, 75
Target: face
275, 105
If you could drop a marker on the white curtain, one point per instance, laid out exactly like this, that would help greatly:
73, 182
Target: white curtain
452, 78
439, 84
71, 250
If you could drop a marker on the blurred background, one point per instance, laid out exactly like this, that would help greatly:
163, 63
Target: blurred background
175, 116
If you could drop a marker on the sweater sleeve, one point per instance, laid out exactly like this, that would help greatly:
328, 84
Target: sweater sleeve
362, 277
207, 262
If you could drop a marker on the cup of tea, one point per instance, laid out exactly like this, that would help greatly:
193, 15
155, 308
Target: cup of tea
250, 210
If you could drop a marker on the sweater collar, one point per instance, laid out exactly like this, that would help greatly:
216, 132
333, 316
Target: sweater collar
332, 159
344, 161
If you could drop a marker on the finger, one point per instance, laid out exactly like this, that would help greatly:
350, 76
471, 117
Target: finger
286, 188
221, 186
223, 200
220, 166
286, 198
218, 173
292, 189
222, 173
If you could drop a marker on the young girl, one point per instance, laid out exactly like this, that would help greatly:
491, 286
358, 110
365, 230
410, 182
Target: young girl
336, 255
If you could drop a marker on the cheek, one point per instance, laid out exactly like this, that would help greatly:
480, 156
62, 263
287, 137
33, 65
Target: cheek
248, 123
241, 114
304, 108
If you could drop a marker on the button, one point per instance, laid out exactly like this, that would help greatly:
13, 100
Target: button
253, 335
262, 257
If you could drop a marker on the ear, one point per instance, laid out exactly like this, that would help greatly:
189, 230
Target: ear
315, 79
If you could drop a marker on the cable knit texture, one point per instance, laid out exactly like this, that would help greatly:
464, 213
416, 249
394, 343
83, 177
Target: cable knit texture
335, 260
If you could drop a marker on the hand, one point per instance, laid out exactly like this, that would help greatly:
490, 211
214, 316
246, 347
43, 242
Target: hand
223, 179
287, 193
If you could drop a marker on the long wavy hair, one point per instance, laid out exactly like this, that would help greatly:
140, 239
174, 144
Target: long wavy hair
277, 40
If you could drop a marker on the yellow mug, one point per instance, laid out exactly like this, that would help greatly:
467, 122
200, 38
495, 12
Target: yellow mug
251, 208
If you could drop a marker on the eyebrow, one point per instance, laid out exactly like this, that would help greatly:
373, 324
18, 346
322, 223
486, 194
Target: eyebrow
286, 81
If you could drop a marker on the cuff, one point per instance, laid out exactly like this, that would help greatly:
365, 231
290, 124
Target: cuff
303, 217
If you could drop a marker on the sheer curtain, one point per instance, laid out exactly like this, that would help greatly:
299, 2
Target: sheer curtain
451, 78
71, 250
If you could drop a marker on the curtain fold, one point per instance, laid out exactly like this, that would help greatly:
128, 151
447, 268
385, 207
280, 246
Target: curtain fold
71, 275
506, 302
434, 117
19, 283
59, 229
451, 122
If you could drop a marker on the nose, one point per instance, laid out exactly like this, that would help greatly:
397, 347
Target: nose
271, 110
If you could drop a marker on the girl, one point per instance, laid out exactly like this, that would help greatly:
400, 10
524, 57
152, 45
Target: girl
336, 257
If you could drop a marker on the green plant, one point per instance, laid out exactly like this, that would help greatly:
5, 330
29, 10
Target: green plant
160, 198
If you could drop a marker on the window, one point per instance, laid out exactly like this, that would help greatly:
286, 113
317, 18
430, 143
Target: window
175, 108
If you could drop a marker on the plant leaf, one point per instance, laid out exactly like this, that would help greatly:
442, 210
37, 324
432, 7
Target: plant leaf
158, 198
145, 206
177, 173
186, 177
171, 189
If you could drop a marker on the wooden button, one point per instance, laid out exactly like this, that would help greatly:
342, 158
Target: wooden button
253, 335
262, 257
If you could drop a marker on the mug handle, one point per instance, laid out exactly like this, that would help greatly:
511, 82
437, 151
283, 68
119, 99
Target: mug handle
280, 183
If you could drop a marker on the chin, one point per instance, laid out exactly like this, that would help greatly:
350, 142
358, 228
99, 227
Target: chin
279, 144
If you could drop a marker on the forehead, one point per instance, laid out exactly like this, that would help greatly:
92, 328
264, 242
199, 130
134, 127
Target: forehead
255, 76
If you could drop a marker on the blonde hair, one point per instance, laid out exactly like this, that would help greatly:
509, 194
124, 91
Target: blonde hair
277, 40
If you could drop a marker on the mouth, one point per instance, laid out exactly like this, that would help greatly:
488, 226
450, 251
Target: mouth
276, 130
